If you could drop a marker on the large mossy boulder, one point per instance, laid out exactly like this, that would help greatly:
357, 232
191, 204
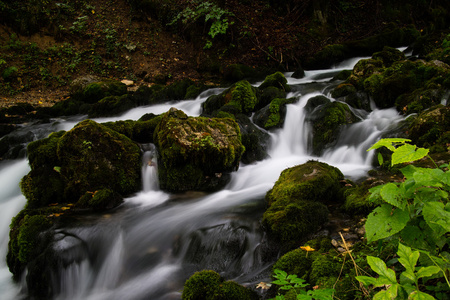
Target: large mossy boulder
431, 129
277, 80
209, 285
296, 203
327, 121
88, 158
196, 153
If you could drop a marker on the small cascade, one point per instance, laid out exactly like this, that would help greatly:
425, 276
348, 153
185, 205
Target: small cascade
151, 195
150, 181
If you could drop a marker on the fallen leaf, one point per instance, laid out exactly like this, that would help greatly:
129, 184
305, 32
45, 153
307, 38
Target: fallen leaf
263, 285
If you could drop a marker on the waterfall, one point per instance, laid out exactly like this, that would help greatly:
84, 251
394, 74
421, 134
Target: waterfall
148, 247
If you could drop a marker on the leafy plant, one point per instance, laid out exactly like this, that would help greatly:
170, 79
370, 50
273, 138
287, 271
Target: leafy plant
297, 285
210, 12
409, 278
415, 211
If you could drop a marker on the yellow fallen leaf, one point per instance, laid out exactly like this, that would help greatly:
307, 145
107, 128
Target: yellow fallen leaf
263, 285
65, 208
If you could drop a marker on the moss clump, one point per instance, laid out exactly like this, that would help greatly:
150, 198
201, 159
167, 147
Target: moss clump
186, 146
327, 121
295, 209
208, 285
273, 115
277, 80
356, 199
312, 181
94, 157
294, 262
96, 91
243, 96
25, 239
428, 127
111, 105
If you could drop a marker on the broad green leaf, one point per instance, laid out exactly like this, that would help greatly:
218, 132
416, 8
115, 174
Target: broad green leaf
437, 217
375, 193
377, 265
428, 177
408, 171
366, 280
414, 236
445, 178
388, 143
407, 153
322, 294
418, 295
385, 221
427, 271
391, 194
408, 258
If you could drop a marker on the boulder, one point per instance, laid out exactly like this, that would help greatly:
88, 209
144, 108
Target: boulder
273, 115
196, 153
88, 158
296, 203
277, 80
209, 285
327, 121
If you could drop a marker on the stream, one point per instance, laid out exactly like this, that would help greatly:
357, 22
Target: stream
150, 245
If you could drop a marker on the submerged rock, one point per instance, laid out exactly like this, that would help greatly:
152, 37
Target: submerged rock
196, 153
297, 201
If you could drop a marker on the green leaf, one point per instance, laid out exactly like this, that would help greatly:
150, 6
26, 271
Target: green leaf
377, 265
385, 221
427, 271
407, 153
387, 294
391, 194
437, 217
366, 280
418, 295
388, 143
428, 177
380, 159
407, 257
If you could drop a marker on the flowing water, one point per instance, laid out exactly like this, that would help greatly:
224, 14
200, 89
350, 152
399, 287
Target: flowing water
151, 244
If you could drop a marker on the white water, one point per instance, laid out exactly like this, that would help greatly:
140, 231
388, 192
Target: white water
148, 247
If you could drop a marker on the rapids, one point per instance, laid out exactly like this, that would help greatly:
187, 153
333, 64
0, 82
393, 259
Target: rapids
150, 245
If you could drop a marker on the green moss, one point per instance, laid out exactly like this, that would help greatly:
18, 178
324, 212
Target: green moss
294, 262
429, 126
342, 90
208, 285
94, 157
187, 144
277, 110
323, 266
277, 80
42, 152
243, 96
111, 105
104, 199
327, 121
312, 181
356, 200
96, 91
294, 222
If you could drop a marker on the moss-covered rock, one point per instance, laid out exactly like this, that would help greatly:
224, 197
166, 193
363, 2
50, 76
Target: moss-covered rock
295, 202
277, 80
111, 105
209, 285
273, 115
140, 131
25, 239
89, 157
327, 121
241, 97
95, 157
196, 153
96, 91
430, 128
